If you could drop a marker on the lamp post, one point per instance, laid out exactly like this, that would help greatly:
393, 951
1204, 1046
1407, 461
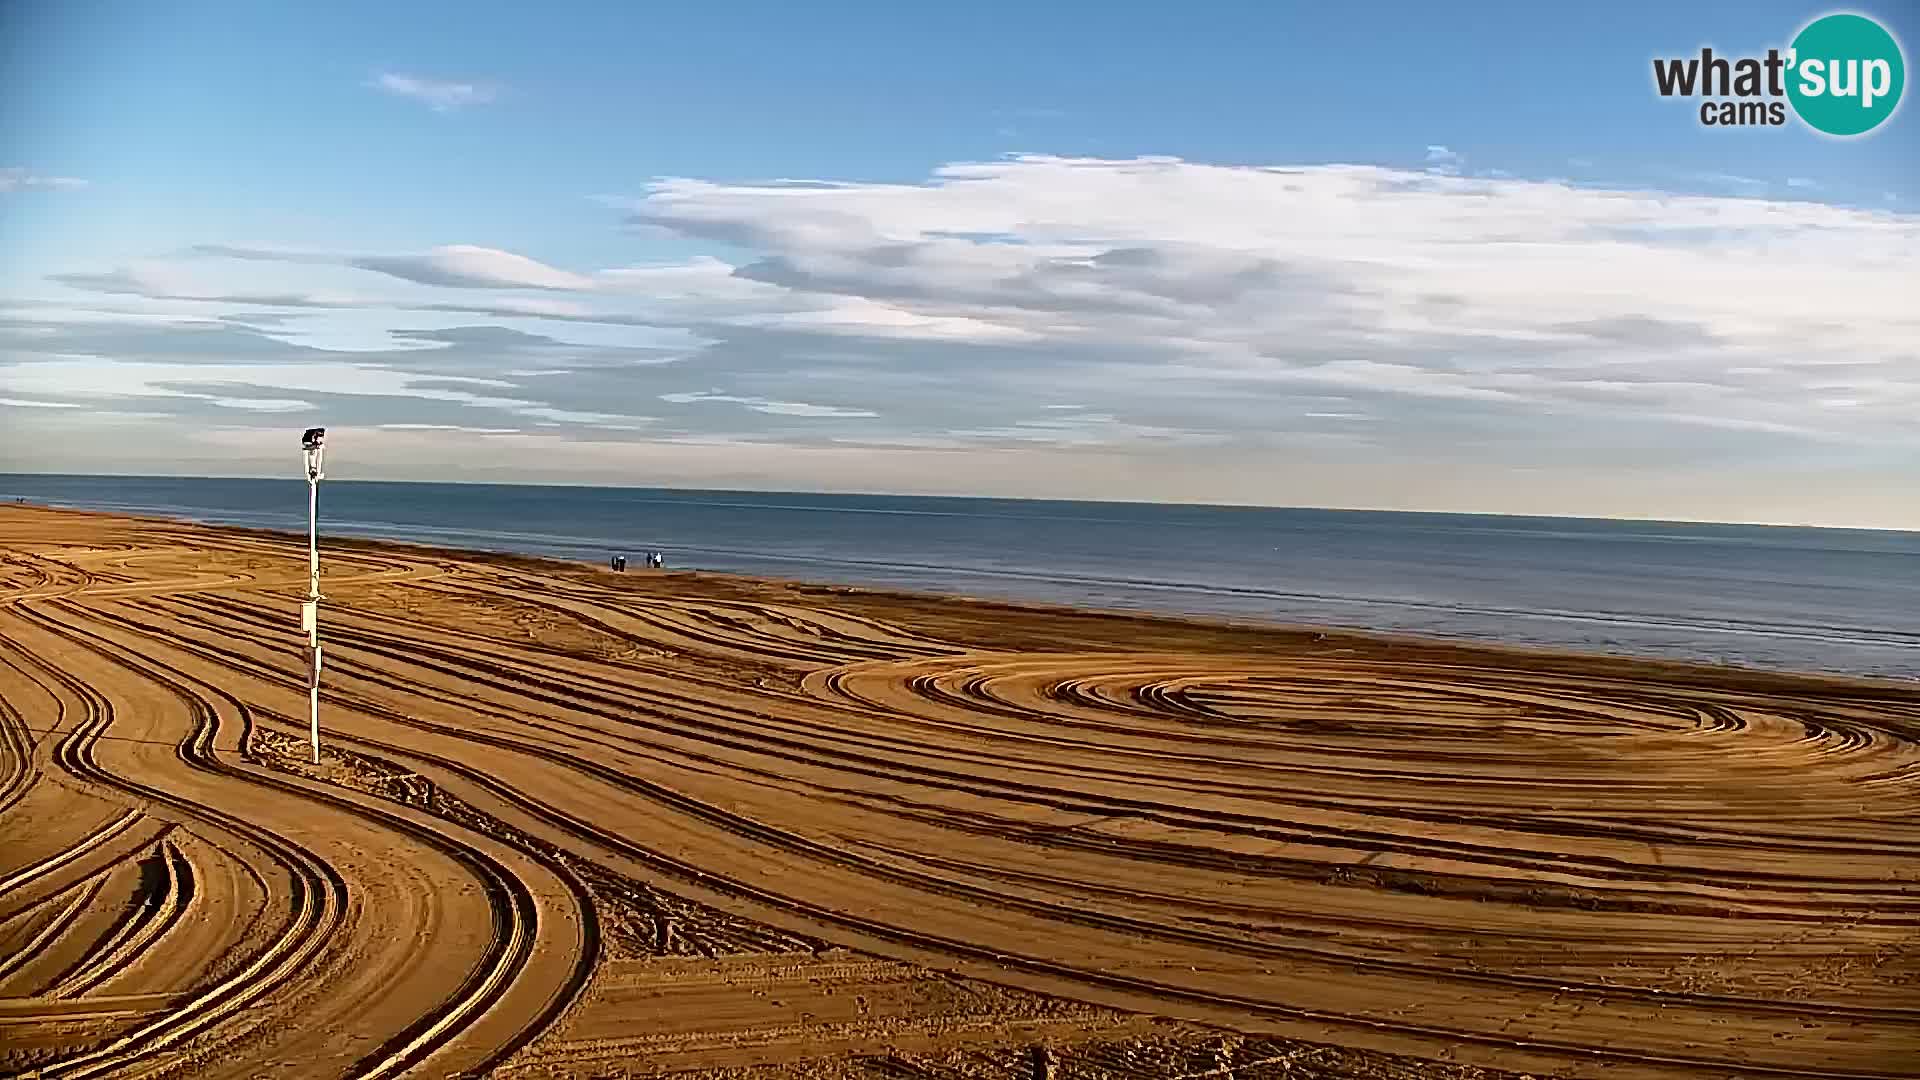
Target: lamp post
310, 444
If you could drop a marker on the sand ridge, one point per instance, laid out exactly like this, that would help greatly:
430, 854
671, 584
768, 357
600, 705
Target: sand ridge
576, 823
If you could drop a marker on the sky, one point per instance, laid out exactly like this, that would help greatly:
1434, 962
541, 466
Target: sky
1399, 256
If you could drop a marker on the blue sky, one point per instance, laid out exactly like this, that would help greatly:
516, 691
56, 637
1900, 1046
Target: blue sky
510, 162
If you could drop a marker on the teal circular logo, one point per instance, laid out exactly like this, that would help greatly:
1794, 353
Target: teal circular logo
1846, 74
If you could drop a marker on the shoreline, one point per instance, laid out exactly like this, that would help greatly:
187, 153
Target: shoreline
1442, 647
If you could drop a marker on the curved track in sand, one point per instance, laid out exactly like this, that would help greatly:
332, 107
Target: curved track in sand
547, 787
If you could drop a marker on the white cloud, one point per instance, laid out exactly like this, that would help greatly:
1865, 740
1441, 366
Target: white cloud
1083, 429
448, 427
259, 404
89, 378
18, 178
698, 278
549, 415
762, 405
864, 316
453, 266
516, 307
1411, 284
446, 268
104, 384
1372, 313
465, 266
22, 403
438, 95
165, 283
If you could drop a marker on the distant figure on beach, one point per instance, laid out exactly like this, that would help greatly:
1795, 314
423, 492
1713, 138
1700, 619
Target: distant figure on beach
656, 560
618, 562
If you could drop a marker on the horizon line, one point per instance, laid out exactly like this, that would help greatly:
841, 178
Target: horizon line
1012, 498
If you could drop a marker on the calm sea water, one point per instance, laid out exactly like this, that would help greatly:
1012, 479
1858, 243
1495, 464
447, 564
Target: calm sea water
1818, 599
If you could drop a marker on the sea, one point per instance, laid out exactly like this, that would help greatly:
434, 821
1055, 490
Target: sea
1837, 600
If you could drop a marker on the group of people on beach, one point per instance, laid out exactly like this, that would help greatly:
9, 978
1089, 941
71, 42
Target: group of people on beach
654, 560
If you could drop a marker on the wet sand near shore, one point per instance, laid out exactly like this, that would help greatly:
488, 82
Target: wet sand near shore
574, 823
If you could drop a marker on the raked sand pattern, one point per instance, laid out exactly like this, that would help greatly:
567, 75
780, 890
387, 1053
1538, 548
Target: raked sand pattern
573, 823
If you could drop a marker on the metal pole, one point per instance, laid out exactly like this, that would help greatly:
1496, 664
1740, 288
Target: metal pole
313, 597
312, 444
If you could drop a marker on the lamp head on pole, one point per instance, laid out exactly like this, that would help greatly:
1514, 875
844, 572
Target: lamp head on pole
311, 443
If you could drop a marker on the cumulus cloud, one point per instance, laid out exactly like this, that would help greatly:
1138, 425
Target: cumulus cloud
19, 178
437, 94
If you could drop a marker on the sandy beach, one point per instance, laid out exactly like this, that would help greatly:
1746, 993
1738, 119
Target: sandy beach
576, 823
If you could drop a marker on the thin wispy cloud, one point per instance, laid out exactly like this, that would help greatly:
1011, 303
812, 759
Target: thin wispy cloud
440, 95
1729, 181
448, 427
156, 285
175, 285
455, 266
260, 404
20, 178
762, 405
